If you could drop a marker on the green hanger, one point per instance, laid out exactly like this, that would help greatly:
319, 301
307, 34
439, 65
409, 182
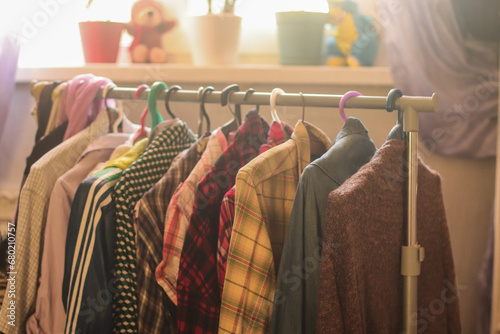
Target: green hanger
152, 97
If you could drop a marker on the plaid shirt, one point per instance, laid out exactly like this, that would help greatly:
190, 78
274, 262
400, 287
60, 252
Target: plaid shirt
135, 181
156, 312
178, 215
278, 134
198, 296
265, 191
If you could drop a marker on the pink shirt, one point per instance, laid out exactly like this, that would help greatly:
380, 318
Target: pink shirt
79, 105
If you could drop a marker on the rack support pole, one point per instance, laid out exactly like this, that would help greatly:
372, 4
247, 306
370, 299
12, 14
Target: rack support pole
412, 254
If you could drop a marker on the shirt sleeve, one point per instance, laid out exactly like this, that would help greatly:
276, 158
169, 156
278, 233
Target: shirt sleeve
225, 229
173, 240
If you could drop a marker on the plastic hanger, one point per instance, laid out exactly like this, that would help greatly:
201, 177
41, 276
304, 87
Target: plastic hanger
303, 106
105, 91
141, 133
118, 111
152, 97
224, 100
392, 96
167, 99
344, 99
249, 92
274, 94
203, 113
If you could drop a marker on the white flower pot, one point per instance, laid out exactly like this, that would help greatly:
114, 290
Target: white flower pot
214, 38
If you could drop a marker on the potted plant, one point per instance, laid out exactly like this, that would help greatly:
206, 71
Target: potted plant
300, 34
214, 38
100, 40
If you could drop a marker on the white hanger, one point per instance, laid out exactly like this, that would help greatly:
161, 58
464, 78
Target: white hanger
119, 110
274, 114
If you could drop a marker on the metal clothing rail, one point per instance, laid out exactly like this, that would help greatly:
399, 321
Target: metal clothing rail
418, 103
412, 254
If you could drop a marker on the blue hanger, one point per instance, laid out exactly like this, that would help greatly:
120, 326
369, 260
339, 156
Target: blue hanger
152, 97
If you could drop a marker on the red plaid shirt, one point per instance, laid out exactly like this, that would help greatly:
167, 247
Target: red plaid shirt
198, 296
277, 135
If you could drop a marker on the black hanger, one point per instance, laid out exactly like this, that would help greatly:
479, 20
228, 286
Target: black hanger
392, 96
203, 92
249, 92
233, 124
167, 99
224, 100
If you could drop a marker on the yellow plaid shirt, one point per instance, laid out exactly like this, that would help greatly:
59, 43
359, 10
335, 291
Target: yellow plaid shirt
265, 191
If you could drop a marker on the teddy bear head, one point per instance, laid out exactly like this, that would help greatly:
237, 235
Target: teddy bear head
147, 13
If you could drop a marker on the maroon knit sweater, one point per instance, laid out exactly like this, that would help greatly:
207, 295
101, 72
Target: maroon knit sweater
360, 281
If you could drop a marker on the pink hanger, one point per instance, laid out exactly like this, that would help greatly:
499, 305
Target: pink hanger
141, 133
344, 99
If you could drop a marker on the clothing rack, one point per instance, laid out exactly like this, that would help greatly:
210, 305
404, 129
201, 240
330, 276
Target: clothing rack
408, 107
418, 103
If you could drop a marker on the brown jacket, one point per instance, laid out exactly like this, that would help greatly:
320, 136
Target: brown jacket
360, 281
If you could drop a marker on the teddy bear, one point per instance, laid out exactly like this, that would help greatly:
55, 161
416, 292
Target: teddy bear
147, 25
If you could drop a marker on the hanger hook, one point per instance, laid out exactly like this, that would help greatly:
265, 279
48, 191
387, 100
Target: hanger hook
303, 106
274, 94
109, 87
200, 119
390, 105
167, 99
203, 95
248, 93
392, 96
141, 133
139, 90
343, 100
225, 96
152, 98
145, 112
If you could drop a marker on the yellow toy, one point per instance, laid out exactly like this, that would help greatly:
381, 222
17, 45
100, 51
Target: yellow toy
353, 42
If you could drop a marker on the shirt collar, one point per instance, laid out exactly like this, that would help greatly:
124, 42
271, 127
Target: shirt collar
278, 132
162, 126
219, 139
351, 126
109, 141
302, 137
128, 158
396, 132
254, 130
333, 158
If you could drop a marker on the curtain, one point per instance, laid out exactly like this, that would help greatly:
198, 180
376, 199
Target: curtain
9, 52
432, 49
